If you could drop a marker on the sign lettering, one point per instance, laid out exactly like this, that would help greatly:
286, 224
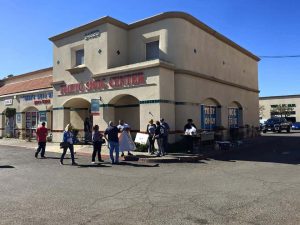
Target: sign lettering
128, 80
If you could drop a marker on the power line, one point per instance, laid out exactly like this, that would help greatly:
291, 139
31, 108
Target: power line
279, 56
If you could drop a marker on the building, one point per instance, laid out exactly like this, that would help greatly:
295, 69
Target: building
271, 102
31, 95
170, 65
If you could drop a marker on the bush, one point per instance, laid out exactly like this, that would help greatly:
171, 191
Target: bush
141, 147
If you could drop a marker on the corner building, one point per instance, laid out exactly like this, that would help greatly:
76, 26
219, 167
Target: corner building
170, 65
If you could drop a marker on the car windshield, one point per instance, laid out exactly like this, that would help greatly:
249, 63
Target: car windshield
274, 120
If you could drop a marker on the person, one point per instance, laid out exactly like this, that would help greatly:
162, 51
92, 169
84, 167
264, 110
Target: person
165, 135
87, 130
189, 128
159, 131
68, 143
151, 132
111, 135
41, 134
125, 140
97, 144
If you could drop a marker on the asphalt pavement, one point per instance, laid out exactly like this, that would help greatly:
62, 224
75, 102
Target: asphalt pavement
258, 184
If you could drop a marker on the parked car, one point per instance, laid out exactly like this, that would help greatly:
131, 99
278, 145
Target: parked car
276, 125
296, 126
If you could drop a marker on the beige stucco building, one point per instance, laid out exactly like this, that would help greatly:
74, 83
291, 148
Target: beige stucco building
31, 95
170, 65
271, 102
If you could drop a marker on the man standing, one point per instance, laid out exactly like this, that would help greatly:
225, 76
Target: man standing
41, 133
159, 131
87, 130
165, 135
188, 135
111, 135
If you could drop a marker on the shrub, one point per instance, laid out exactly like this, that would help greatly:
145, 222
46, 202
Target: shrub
141, 147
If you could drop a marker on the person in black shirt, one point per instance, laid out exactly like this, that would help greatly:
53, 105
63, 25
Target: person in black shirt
188, 137
159, 132
111, 135
151, 132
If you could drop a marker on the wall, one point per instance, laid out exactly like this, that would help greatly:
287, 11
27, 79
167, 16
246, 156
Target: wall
276, 101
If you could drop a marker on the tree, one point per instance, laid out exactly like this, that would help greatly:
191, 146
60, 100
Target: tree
282, 109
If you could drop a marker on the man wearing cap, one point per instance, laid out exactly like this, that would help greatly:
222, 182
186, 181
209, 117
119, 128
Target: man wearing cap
41, 134
151, 132
166, 126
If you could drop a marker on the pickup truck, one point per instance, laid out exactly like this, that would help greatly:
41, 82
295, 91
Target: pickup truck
276, 125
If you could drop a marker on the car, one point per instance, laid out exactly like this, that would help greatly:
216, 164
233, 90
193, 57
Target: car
276, 124
296, 126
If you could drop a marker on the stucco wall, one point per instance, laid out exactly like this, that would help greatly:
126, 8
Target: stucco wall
268, 102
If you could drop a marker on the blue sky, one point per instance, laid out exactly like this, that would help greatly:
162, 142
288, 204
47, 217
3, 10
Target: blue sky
264, 27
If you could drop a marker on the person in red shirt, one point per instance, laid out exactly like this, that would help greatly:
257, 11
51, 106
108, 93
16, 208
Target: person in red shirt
41, 134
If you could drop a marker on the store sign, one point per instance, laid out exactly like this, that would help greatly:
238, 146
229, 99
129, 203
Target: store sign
95, 105
45, 95
39, 99
92, 34
42, 102
8, 101
128, 80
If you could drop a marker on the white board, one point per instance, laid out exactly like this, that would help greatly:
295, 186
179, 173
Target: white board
141, 138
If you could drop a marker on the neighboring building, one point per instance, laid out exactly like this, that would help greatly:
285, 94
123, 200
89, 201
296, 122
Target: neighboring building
271, 102
31, 94
170, 65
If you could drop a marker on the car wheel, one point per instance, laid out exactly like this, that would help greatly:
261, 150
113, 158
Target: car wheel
279, 130
264, 131
288, 130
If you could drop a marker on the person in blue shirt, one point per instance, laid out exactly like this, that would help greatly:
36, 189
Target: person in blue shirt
68, 144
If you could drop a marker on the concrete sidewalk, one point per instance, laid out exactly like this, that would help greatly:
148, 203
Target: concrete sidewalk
86, 150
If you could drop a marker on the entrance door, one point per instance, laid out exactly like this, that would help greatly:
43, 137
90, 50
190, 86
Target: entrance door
32, 119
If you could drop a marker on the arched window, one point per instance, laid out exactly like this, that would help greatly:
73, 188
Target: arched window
210, 114
235, 115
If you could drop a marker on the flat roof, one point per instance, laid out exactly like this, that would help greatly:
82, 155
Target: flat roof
153, 19
279, 97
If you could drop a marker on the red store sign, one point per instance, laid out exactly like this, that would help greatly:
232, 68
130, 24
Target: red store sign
128, 80
43, 101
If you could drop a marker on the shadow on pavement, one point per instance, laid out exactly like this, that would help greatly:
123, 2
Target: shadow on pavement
273, 149
92, 165
137, 164
6, 167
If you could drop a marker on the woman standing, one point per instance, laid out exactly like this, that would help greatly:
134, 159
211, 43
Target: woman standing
125, 140
68, 143
97, 144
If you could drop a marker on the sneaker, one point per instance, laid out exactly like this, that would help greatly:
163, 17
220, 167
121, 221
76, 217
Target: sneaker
74, 164
93, 162
43, 157
36, 155
129, 153
61, 163
122, 155
100, 160
158, 155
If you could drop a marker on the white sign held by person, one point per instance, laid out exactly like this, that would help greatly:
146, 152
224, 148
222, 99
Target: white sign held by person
141, 138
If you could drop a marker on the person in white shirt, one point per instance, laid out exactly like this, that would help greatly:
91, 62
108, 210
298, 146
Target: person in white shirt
125, 141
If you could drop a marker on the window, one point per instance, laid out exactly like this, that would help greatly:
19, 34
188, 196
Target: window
209, 117
233, 117
152, 50
79, 54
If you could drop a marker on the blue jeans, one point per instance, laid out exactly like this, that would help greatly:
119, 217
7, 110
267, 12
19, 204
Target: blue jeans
113, 146
41, 148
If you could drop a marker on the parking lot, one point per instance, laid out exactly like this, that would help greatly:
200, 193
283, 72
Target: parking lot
258, 184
